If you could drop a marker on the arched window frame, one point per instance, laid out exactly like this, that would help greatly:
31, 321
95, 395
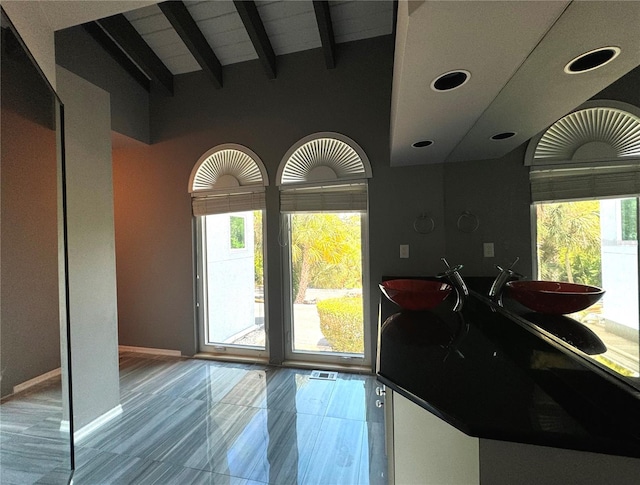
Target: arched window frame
332, 190
228, 178
324, 171
235, 181
613, 129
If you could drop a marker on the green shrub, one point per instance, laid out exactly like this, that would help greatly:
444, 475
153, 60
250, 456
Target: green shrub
341, 323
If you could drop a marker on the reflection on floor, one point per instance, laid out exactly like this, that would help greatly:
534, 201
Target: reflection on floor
32, 446
193, 421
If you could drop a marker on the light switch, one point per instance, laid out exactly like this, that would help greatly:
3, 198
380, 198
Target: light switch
488, 250
404, 251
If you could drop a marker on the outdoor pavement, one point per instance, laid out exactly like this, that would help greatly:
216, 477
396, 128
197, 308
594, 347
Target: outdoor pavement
307, 334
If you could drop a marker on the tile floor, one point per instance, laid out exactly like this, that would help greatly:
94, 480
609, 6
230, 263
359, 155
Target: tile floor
188, 421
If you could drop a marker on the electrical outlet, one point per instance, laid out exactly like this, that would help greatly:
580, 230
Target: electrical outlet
404, 251
488, 250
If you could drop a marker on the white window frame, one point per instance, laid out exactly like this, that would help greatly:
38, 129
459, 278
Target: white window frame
354, 168
584, 178
335, 358
239, 190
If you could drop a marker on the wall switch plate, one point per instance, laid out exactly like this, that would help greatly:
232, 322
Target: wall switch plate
404, 251
488, 250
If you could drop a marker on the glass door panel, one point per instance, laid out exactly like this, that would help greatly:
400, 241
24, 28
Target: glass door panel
232, 281
595, 242
326, 284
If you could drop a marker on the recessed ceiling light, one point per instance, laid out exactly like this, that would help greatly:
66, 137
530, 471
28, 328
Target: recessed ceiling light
504, 135
592, 60
423, 143
450, 80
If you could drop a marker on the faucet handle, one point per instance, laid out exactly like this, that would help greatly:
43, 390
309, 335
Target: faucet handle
449, 270
508, 272
504, 275
455, 279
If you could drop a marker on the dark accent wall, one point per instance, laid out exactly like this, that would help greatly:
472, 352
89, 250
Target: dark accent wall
152, 205
79, 53
497, 192
625, 89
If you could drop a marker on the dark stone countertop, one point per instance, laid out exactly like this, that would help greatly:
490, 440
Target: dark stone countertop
481, 371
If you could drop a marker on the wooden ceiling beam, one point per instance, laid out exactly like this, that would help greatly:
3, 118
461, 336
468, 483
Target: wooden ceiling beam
255, 28
323, 17
114, 50
187, 28
132, 43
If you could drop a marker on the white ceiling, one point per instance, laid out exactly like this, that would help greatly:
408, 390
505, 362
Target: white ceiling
514, 50
63, 13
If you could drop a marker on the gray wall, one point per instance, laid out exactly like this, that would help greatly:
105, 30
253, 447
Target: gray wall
153, 248
77, 52
91, 240
497, 192
626, 89
29, 312
153, 221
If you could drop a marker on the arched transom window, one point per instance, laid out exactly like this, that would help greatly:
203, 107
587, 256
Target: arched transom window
324, 171
591, 152
228, 178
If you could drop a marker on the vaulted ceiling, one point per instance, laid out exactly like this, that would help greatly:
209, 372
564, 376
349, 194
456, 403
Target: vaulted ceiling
513, 54
156, 41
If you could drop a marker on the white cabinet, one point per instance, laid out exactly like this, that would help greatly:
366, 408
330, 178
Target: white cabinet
422, 449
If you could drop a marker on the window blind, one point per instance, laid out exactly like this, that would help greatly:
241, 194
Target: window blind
224, 203
551, 185
349, 198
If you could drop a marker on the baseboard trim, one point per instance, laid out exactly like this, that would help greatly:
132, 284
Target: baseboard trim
89, 428
231, 358
149, 350
352, 369
36, 380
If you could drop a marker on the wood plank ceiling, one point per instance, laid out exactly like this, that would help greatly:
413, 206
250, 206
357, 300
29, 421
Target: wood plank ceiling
158, 41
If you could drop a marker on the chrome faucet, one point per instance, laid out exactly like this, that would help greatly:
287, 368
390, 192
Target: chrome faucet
505, 275
453, 276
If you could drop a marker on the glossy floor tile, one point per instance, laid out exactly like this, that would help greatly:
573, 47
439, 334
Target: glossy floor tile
194, 421
32, 445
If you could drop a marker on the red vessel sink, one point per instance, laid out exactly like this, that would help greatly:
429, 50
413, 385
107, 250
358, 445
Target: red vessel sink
416, 295
554, 297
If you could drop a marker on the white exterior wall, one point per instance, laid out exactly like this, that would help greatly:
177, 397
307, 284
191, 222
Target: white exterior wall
231, 278
619, 268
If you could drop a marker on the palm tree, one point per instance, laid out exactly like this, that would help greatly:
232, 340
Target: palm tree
322, 249
257, 248
568, 234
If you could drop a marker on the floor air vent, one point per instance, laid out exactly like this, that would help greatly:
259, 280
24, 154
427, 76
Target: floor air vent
324, 375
